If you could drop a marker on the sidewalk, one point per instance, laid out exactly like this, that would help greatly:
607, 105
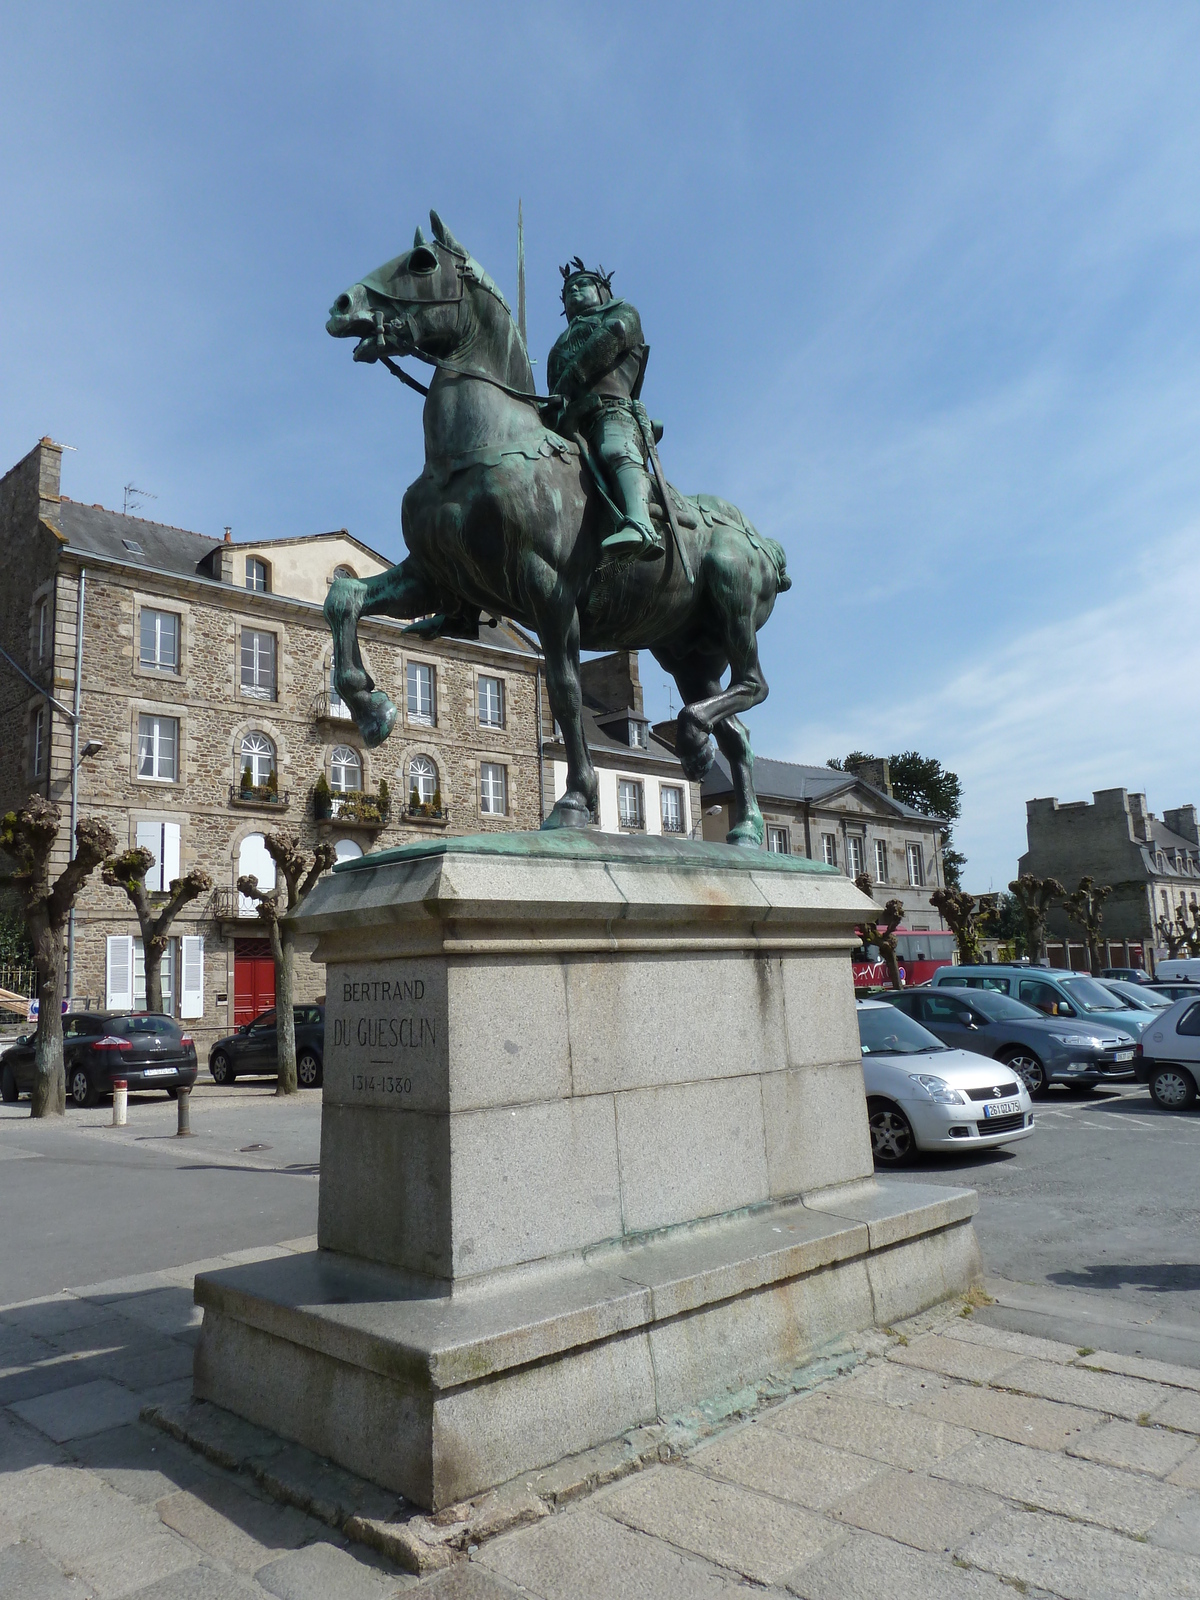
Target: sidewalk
961, 1460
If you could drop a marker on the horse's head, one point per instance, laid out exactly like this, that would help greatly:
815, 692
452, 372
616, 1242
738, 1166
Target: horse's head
420, 301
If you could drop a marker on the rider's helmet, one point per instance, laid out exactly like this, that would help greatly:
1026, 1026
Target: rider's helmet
575, 269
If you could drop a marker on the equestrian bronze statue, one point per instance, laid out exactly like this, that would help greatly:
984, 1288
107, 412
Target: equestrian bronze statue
541, 509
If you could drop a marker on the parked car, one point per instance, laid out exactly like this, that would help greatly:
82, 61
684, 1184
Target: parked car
147, 1049
1039, 1049
1178, 969
1175, 991
254, 1048
921, 1095
1137, 996
1053, 993
1129, 974
1169, 1057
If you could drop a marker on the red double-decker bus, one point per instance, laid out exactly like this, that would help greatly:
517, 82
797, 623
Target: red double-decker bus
918, 953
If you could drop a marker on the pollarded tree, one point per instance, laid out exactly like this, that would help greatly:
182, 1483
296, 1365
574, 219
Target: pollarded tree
295, 876
29, 837
1034, 895
958, 908
1085, 908
1173, 937
128, 872
882, 933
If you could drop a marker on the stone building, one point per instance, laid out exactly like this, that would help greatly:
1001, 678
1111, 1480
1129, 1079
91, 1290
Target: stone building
206, 718
845, 820
642, 786
1152, 866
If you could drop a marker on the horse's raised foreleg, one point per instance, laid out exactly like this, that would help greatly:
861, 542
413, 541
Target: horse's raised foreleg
396, 593
558, 631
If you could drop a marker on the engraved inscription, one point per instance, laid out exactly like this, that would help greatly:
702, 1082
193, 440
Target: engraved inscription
384, 1035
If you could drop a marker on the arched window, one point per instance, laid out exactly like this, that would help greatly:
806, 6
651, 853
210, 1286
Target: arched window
337, 706
254, 862
347, 850
344, 572
422, 781
258, 756
345, 771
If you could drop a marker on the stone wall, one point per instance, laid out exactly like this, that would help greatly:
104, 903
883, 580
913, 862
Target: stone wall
1103, 839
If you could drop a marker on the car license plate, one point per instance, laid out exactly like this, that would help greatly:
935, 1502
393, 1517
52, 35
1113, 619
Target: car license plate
158, 1072
1123, 1055
1001, 1108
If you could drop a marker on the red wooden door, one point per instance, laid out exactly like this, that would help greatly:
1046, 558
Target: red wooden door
253, 980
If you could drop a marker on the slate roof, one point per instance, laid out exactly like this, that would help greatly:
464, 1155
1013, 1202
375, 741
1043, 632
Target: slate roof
788, 780
94, 530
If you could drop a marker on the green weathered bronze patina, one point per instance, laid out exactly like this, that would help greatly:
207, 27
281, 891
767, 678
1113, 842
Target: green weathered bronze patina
513, 517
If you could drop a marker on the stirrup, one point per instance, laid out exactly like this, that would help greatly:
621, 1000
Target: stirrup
633, 538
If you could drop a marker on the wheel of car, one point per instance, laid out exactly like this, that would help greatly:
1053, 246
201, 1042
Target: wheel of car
308, 1070
892, 1140
1031, 1071
221, 1068
1172, 1088
83, 1091
8, 1085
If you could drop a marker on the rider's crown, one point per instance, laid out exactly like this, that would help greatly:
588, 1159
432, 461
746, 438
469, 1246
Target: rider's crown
576, 269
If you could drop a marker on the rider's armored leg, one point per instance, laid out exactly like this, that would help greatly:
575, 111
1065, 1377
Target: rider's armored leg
617, 440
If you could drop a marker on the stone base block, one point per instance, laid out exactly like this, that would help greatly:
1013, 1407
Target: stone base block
439, 1393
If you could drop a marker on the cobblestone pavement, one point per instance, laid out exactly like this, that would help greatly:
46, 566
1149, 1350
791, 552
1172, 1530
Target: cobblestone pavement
968, 1461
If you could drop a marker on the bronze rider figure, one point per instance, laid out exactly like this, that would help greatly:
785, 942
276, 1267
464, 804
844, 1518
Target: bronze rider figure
594, 373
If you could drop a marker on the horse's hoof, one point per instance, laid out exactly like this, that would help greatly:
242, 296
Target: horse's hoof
568, 814
747, 834
378, 720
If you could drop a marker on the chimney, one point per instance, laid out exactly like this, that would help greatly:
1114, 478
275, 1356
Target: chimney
228, 535
874, 770
1183, 821
612, 681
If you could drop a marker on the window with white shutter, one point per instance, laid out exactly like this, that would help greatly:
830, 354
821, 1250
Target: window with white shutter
118, 980
191, 987
162, 841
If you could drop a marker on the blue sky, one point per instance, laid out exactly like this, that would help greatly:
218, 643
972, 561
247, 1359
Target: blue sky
920, 284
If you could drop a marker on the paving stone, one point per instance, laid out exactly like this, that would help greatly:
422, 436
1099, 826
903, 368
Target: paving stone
141, 1464
19, 1349
1136, 1449
1181, 1410
867, 1567
1075, 1386
891, 1384
323, 1572
142, 1369
169, 1309
468, 1580
914, 1509
1187, 1473
1021, 1344
731, 1526
791, 1468
132, 1564
620, 1564
122, 1289
109, 1335
956, 1358
22, 1446
1080, 1562
234, 1527
176, 1393
55, 1314
26, 1574
91, 1521
48, 1376
1055, 1482
883, 1432
1179, 1529
86, 1408
28, 1489
9, 1532
202, 1582
1045, 1424
1141, 1367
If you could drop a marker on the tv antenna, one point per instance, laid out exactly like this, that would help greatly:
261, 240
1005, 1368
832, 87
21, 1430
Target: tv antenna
134, 497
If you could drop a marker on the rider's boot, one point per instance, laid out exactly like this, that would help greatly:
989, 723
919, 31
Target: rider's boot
635, 534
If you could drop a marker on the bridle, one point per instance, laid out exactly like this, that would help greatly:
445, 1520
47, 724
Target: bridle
400, 328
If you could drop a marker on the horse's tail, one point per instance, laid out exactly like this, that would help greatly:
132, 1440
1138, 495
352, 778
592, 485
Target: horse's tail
779, 556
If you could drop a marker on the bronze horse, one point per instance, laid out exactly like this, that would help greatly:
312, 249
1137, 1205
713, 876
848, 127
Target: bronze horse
506, 520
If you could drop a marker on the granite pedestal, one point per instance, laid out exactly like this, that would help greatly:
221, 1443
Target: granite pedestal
594, 1151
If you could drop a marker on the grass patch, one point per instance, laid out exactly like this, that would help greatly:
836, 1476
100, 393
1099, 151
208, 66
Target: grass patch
1086, 1350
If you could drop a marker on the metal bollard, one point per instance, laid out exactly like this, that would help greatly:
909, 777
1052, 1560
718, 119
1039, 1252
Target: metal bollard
183, 1099
120, 1102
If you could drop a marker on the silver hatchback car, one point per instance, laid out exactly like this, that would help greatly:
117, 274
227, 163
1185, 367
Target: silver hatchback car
1168, 1057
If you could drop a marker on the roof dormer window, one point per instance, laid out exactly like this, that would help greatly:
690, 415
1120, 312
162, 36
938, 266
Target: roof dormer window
256, 575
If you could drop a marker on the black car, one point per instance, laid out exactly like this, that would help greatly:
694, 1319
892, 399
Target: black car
146, 1049
1130, 974
254, 1048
